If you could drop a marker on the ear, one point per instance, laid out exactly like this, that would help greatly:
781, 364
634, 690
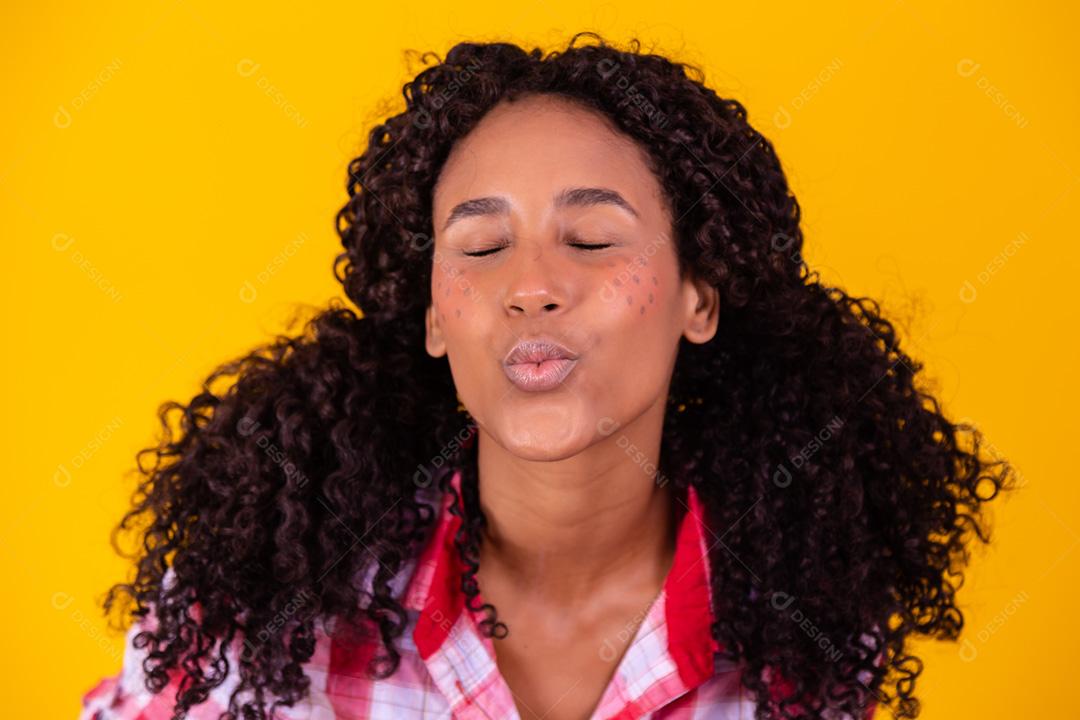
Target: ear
702, 310
434, 341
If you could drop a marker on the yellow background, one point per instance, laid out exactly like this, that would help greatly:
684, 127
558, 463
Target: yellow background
170, 170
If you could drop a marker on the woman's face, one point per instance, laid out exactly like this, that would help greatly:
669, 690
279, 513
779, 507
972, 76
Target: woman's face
540, 179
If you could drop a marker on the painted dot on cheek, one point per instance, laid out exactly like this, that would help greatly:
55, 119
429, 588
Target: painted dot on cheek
637, 280
618, 282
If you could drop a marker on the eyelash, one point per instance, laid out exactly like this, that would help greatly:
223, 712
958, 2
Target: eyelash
585, 246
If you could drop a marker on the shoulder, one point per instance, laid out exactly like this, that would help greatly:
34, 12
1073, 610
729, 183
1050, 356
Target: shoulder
336, 660
336, 665
124, 696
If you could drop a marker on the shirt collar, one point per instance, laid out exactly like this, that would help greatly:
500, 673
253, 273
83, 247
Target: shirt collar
434, 590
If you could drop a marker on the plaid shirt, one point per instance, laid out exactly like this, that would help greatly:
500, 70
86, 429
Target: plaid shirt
448, 667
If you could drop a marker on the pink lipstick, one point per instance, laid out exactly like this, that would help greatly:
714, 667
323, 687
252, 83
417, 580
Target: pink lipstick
536, 365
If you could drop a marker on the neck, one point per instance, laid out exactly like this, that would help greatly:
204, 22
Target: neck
563, 528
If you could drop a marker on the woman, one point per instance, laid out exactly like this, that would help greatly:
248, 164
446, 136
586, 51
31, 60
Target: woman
599, 445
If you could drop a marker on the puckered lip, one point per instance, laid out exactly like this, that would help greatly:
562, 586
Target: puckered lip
538, 349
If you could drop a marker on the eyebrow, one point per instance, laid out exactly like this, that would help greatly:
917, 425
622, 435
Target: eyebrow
569, 197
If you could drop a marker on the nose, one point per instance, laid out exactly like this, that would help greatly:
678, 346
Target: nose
531, 304
536, 286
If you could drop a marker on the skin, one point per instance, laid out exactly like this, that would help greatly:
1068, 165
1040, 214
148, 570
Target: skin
580, 534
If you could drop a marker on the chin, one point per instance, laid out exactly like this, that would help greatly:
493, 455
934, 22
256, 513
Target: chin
544, 443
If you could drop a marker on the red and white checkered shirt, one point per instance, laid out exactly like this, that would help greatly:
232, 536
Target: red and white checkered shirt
448, 667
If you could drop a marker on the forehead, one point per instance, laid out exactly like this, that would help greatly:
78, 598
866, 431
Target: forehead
532, 148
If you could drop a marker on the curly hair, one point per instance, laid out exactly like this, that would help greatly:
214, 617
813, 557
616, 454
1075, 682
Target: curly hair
863, 497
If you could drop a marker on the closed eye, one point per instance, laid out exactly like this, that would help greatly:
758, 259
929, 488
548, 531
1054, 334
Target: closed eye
481, 253
582, 246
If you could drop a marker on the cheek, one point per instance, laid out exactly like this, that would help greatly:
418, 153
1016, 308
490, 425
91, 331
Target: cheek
635, 289
452, 294
636, 333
